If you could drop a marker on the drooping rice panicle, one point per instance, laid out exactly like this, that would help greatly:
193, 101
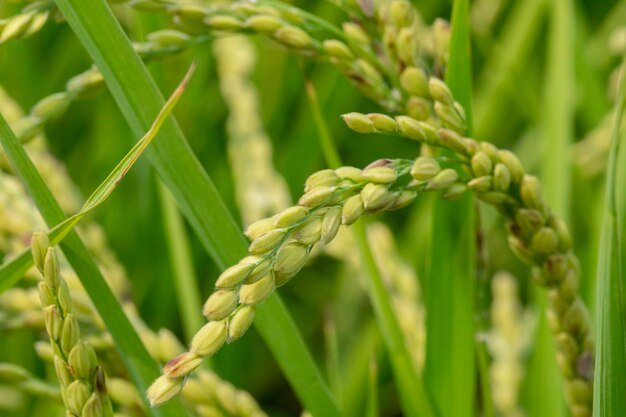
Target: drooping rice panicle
82, 380
281, 245
535, 234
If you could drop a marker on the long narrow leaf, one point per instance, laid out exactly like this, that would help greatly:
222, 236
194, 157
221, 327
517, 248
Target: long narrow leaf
450, 365
544, 382
610, 378
139, 100
13, 270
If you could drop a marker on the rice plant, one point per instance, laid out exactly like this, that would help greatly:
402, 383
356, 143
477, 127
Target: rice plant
346, 208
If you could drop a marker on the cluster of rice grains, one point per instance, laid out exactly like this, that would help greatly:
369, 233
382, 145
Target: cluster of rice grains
281, 245
20, 308
82, 380
535, 235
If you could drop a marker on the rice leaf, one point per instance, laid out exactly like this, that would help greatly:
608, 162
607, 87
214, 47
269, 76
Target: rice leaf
450, 364
610, 378
544, 384
14, 269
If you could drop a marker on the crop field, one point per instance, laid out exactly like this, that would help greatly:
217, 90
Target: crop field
329, 208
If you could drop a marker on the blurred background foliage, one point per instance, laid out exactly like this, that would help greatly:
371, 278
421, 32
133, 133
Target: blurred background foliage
509, 65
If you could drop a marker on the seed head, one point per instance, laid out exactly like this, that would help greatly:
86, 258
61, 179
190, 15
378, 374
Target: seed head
374, 196
337, 49
163, 389
380, 175
240, 322
210, 338
401, 12
254, 294
444, 179
76, 395
310, 232
411, 128
51, 271
264, 23
46, 296
359, 122
418, 108
267, 241
402, 199
350, 173
182, 364
330, 225
481, 164
352, 209
82, 360
233, 275
325, 177
293, 37
501, 177
415, 81
70, 333
545, 241
355, 33
383, 123
481, 184
53, 321
290, 216
316, 196
440, 91
51, 107
531, 193
424, 168
259, 227
513, 164
454, 191
289, 260
220, 304
262, 268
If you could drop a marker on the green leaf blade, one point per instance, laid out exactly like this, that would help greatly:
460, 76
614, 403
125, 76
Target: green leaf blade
450, 350
610, 378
